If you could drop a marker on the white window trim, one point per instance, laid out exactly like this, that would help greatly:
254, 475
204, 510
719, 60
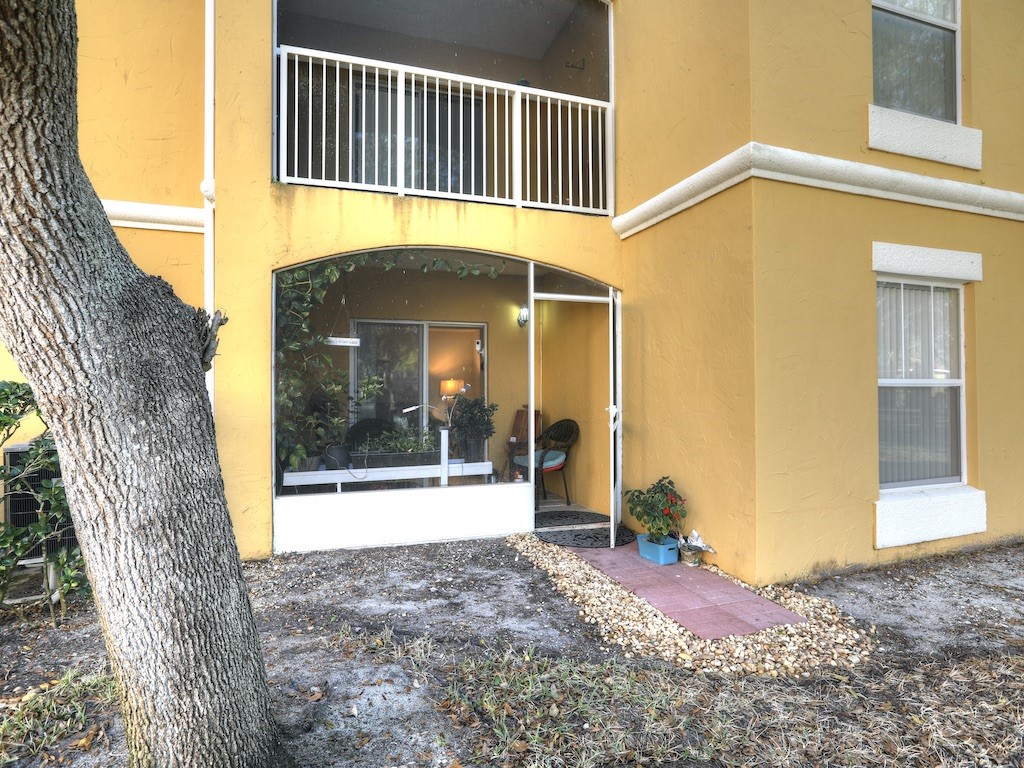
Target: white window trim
916, 514
904, 133
912, 515
927, 138
927, 263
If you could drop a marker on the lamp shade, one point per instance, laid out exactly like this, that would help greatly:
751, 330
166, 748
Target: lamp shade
451, 387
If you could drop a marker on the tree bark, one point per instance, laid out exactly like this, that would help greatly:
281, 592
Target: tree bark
115, 360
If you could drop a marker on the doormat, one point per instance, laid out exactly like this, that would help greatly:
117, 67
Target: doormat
554, 518
588, 538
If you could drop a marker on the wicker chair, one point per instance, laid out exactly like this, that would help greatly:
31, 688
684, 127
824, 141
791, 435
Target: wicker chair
551, 453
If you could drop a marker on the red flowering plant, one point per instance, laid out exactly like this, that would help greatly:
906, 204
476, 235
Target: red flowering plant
659, 508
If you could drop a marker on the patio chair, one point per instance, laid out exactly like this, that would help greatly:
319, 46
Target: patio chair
551, 454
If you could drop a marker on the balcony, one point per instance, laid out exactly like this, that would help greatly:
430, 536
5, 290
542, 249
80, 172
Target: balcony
357, 123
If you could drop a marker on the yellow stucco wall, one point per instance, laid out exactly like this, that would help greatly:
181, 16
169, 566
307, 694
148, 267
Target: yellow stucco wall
688, 366
994, 107
140, 91
682, 72
177, 257
140, 121
816, 384
816, 361
811, 75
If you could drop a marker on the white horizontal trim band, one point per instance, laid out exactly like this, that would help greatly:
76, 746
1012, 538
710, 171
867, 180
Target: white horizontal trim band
172, 218
764, 161
917, 261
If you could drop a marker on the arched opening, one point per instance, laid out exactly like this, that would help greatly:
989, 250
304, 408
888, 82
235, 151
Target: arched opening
404, 380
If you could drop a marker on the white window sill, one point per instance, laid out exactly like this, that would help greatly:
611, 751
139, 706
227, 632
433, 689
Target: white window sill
913, 135
927, 513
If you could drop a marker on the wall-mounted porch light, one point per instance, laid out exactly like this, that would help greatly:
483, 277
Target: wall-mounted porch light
524, 316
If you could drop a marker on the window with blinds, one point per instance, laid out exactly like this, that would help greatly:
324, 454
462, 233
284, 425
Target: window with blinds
920, 384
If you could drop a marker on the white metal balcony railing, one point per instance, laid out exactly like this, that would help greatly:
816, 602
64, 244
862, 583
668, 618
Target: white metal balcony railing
364, 124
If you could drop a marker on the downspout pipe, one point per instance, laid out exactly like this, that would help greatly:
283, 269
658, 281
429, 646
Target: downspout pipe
208, 187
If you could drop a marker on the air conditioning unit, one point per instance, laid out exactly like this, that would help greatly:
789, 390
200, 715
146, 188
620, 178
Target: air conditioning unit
22, 509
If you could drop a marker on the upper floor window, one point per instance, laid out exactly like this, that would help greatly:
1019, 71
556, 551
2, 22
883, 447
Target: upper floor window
916, 56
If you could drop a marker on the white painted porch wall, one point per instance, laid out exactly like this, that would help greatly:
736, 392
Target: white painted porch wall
317, 522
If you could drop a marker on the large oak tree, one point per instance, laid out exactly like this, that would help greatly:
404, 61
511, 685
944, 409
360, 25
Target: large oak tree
116, 362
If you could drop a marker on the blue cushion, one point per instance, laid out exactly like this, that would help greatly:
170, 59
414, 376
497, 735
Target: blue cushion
552, 459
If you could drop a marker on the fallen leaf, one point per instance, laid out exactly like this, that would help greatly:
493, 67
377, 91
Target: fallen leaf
85, 743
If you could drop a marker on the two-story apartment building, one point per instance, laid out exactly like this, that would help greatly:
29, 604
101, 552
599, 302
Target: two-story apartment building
768, 248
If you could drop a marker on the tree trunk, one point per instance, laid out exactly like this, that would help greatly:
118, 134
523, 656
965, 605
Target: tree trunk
115, 360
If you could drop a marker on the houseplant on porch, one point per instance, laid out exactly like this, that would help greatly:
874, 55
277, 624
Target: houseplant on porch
472, 421
304, 369
397, 448
660, 509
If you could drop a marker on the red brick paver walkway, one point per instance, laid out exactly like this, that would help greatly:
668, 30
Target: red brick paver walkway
703, 602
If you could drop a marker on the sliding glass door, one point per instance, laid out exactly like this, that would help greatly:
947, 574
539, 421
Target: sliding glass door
393, 353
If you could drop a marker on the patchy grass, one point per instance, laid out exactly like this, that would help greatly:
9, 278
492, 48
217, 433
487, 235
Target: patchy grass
43, 717
525, 711
415, 652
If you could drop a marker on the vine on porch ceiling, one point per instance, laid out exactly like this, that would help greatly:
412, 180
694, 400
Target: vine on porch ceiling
389, 260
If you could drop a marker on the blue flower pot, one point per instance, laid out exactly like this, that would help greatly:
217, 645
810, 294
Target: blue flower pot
662, 554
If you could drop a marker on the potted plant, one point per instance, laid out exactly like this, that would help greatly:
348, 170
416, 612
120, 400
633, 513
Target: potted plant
335, 419
472, 420
692, 549
304, 369
397, 448
660, 509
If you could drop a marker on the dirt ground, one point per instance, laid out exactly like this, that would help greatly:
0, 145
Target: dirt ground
342, 633
969, 603
465, 596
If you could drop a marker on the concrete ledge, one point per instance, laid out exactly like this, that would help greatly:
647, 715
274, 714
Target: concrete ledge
903, 133
912, 515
